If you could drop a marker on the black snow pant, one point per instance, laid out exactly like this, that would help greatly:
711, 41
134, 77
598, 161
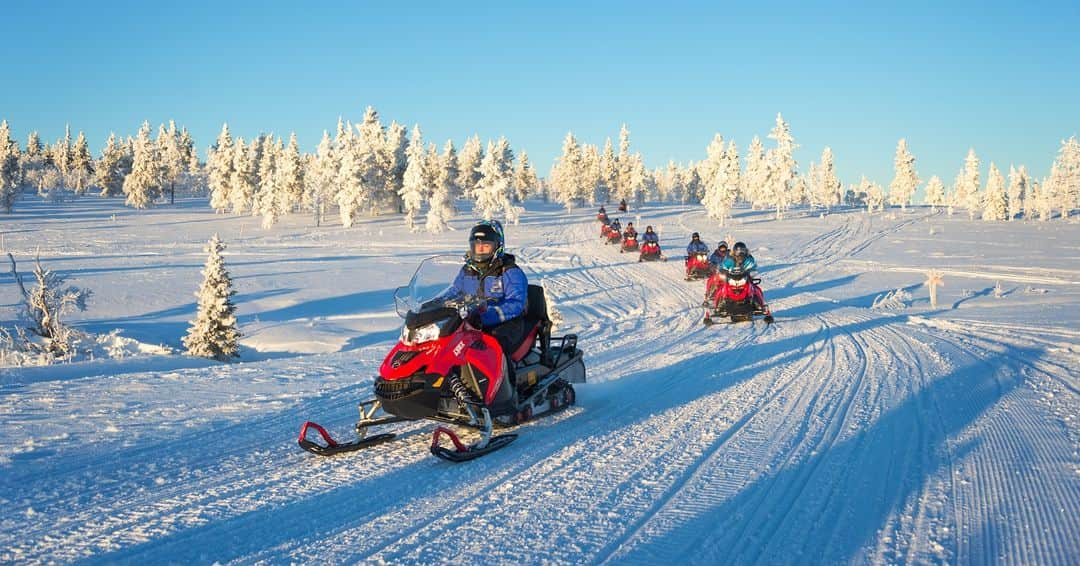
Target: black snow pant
509, 334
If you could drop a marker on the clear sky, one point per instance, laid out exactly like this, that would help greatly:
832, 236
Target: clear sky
1001, 77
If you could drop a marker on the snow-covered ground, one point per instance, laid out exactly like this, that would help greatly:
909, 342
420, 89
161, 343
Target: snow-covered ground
845, 432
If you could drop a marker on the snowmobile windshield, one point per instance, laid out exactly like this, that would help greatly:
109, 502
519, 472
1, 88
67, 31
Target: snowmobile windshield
433, 279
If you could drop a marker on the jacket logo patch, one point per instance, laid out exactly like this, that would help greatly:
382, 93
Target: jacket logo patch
497, 286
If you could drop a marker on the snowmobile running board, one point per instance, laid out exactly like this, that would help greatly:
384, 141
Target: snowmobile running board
333, 447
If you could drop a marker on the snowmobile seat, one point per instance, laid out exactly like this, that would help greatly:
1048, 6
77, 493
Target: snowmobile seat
536, 320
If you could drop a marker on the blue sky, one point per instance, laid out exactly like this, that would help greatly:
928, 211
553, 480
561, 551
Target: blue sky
1001, 77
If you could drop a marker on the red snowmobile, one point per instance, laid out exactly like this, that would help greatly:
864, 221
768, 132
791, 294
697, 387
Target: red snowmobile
613, 236
629, 243
698, 267
444, 369
602, 217
650, 251
735, 295
605, 229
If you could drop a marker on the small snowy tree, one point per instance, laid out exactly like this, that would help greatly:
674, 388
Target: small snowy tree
935, 193
441, 205
493, 192
143, 184
219, 165
9, 168
242, 179
967, 193
472, 154
320, 178
45, 306
782, 165
906, 180
995, 205
413, 192
1017, 191
109, 174
395, 162
213, 333
753, 189
81, 167
567, 174
525, 180
832, 191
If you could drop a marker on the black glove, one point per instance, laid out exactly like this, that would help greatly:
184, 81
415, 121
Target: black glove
474, 319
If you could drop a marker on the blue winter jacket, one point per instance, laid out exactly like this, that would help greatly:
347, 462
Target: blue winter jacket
748, 263
505, 283
697, 247
717, 258
650, 237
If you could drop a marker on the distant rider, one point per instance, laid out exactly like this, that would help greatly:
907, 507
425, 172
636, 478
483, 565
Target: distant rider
630, 231
718, 255
740, 260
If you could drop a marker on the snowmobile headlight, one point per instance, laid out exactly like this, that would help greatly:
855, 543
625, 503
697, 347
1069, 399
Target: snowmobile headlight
425, 333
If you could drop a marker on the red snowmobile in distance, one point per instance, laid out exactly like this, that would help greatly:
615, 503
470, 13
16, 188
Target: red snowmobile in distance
698, 267
735, 295
629, 243
605, 229
613, 237
650, 251
443, 369
602, 217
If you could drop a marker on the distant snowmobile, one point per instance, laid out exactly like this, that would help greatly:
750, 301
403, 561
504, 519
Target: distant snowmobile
444, 369
698, 267
650, 251
629, 243
737, 296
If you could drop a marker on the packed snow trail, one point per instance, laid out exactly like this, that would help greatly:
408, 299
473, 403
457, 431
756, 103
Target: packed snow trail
840, 434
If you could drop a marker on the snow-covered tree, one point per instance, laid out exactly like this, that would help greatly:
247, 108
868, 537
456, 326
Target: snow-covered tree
61, 153
609, 174
373, 162
268, 196
995, 205
143, 184
906, 180
290, 174
441, 205
781, 166
320, 177
590, 170
219, 164
352, 193
242, 180
395, 162
109, 173
1041, 203
493, 192
756, 173
472, 154
45, 306
875, 195
9, 168
525, 179
213, 333
173, 162
1017, 192
414, 191
935, 193
966, 192
81, 166
567, 174
1063, 185
725, 182
832, 192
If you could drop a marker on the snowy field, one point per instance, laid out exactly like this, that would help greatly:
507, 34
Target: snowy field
856, 429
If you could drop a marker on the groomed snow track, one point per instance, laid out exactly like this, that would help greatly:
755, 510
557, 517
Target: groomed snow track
840, 434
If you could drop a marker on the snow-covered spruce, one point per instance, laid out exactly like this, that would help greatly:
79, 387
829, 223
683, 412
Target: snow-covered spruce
213, 333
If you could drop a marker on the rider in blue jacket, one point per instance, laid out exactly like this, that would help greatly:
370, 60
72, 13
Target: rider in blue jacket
718, 255
490, 272
650, 237
696, 246
739, 261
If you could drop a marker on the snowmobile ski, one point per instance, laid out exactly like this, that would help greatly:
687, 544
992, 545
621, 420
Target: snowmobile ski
462, 452
331, 446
